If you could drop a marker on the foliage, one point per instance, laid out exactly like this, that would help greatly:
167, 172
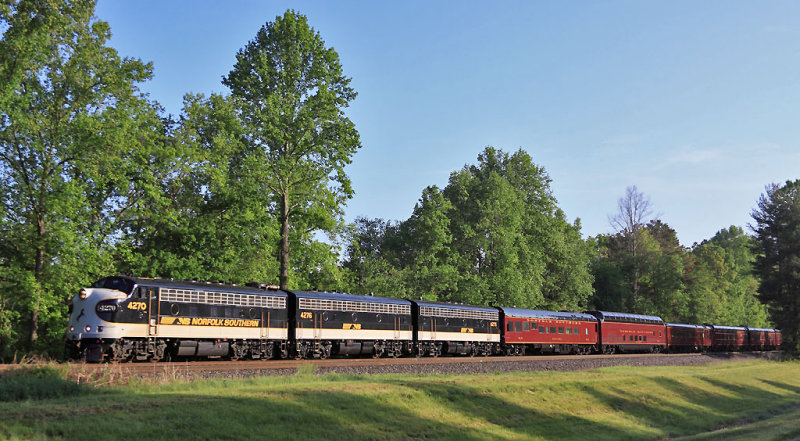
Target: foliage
493, 235
777, 232
290, 94
81, 150
216, 225
712, 283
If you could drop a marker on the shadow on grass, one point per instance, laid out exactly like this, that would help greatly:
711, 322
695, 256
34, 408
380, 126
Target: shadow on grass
519, 422
784, 386
413, 410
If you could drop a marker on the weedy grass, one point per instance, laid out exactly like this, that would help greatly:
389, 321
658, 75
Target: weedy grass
739, 399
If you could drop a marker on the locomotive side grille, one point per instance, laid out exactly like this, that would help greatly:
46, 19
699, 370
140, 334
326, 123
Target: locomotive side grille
435, 311
221, 298
348, 306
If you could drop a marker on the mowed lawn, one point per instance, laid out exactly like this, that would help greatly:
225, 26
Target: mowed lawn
757, 400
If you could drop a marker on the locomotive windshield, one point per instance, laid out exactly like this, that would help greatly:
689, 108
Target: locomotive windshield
118, 283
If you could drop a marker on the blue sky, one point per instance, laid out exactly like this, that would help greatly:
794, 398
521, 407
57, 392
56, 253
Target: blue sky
696, 103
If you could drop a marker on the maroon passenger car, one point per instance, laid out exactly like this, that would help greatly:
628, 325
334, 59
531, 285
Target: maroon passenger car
621, 332
535, 332
728, 338
688, 338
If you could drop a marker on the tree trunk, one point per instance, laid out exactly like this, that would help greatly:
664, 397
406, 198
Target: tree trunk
38, 271
39, 267
284, 252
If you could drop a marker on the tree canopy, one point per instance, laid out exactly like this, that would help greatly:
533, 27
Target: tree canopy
290, 94
81, 150
777, 230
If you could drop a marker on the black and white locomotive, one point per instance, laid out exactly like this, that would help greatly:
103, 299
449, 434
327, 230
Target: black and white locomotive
124, 318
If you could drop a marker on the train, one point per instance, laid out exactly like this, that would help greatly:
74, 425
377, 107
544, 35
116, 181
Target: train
123, 318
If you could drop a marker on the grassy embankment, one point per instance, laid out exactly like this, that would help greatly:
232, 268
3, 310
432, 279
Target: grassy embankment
740, 401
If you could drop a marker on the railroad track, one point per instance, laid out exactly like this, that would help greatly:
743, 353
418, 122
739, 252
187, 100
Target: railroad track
445, 365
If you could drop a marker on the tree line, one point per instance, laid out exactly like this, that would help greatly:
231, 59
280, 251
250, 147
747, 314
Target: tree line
96, 179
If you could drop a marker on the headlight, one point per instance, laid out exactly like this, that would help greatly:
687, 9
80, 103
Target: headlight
82, 293
71, 329
88, 328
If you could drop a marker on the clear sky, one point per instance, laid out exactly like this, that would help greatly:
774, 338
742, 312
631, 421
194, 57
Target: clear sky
695, 102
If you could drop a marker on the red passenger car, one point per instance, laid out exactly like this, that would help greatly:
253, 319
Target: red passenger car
757, 338
688, 338
533, 332
621, 332
773, 339
728, 338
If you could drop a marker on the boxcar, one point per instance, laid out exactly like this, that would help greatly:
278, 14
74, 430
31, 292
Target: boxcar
728, 338
688, 338
621, 332
333, 323
446, 328
536, 331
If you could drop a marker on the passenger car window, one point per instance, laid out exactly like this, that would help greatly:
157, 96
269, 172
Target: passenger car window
518, 326
542, 330
552, 329
569, 330
510, 327
560, 329
526, 326
575, 330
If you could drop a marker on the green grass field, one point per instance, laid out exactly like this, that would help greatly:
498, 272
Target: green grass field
758, 400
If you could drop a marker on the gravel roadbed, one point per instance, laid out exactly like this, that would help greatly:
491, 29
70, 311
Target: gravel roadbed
488, 365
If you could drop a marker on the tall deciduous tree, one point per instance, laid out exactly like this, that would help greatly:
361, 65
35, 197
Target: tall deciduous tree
80, 149
291, 94
777, 231
633, 210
